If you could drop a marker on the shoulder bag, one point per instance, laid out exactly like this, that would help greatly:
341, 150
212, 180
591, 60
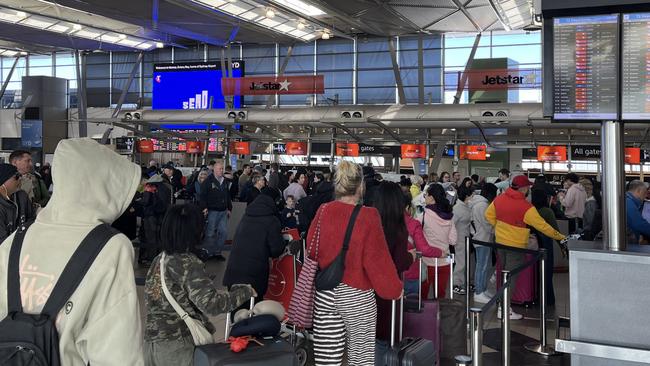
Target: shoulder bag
200, 334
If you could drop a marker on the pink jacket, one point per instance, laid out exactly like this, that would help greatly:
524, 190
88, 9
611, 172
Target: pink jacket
419, 242
440, 233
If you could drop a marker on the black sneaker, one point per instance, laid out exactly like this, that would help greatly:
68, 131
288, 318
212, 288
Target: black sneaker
459, 290
220, 258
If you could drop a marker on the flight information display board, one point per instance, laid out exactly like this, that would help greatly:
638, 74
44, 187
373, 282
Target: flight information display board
585, 68
636, 66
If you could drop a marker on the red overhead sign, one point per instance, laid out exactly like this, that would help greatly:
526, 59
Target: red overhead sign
345, 149
296, 148
240, 148
271, 85
145, 146
632, 155
473, 152
194, 147
414, 151
551, 153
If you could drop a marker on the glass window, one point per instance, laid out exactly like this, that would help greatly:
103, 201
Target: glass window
260, 59
40, 65
192, 54
511, 38
98, 81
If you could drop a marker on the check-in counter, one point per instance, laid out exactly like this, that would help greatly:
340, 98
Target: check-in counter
609, 306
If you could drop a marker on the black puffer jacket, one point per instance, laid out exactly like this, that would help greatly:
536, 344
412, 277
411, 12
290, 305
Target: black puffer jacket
257, 239
12, 213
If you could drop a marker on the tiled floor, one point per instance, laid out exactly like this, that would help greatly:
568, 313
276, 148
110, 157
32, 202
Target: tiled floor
523, 331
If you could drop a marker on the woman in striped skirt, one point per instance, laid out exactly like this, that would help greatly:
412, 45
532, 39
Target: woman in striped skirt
345, 318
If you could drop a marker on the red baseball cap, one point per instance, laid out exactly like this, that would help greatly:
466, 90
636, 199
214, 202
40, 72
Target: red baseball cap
521, 181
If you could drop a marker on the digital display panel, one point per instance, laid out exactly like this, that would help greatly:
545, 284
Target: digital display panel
585, 79
636, 66
192, 85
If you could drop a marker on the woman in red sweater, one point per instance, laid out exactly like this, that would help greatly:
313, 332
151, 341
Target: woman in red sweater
345, 318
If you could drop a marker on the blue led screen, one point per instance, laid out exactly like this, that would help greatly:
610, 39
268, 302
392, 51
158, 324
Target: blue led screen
191, 85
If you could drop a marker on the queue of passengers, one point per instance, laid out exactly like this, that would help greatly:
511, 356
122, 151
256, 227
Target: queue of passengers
394, 221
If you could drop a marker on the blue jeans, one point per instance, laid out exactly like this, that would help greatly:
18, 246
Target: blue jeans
216, 231
483, 258
411, 287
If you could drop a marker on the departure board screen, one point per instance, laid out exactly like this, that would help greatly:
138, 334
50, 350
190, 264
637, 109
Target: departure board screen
585, 69
636, 66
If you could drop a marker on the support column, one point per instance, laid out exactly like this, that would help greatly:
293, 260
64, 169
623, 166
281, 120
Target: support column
463, 78
6, 82
81, 94
332, 150
281, 69
126, 88
421, 71
309, 137
401, 97
614, 225
226, 150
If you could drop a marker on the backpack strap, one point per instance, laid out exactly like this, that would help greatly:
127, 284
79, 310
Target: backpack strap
14, 301
71, 276
77, 266
348, 231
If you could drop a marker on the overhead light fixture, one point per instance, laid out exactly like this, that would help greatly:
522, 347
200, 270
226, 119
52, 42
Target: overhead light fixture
326, 35
271, 18
50, 24
301, 7
160, 45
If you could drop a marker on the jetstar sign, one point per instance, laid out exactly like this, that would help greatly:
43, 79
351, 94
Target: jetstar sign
504, 79
271, 85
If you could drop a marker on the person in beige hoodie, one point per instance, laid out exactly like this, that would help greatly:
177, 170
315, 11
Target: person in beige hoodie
100, 324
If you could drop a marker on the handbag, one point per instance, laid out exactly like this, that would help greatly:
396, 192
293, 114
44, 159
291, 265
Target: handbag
200, 334
330, 277
301, 305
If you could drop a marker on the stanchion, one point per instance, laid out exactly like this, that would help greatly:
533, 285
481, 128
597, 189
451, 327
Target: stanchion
541, 347
468, 275
477, 337
451, 276
505, 320
435, 282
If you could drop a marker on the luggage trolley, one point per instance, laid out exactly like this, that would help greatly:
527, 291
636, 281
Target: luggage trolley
283, 276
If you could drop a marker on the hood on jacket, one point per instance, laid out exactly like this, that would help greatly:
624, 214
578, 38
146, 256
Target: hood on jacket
263, 205
93, 184
514, 194
476, 200
442, 214
578, 186
155, 179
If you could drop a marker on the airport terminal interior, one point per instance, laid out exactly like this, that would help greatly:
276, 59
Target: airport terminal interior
510, 136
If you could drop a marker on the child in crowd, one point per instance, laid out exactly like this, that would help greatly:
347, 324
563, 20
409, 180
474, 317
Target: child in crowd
288, 215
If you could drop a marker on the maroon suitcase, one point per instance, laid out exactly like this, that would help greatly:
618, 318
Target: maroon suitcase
525, 290
422, 318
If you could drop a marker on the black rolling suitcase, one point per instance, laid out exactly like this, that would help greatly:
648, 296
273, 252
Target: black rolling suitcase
410, 351
275, 352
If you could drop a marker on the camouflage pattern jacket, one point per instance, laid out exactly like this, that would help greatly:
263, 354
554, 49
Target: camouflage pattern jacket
194, 291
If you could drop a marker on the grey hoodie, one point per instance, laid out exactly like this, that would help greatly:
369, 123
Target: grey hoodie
101, 323
481, 228
574, 201
462, 219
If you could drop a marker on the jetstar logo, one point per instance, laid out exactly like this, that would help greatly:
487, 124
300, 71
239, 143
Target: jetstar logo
283, 85
509, 79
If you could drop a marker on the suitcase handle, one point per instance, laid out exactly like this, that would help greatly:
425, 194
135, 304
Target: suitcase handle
393, 315
228, 321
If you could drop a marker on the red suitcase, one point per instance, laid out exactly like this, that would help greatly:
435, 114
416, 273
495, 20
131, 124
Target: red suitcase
283, 274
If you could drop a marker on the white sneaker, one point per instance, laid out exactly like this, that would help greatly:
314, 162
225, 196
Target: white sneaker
513, 315
493, 278
482, 298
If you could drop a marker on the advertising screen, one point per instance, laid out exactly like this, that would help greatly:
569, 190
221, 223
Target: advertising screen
632, 155
551, 153
472, 152
191, 85
32, 133
636, 66
345, 149
414, 151
240, 148
145, 146
585, 67
296, 148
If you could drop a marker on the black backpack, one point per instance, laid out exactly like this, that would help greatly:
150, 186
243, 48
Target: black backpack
32, 339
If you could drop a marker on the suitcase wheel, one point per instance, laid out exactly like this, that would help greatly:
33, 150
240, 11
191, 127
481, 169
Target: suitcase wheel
302, 356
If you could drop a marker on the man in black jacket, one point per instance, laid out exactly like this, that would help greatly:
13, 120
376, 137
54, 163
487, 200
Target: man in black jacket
258, 238
259, 182
15, 205
214, 200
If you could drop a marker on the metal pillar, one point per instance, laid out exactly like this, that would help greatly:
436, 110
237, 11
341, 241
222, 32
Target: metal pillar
332, 150
456, 152
476, 321
468, 274
463, 79
440, 149
421, 71
126, 88
505, 320
309, 135
6, 82
613, 186
541, 347
226, 150
285, 62
81, 93
401, 97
